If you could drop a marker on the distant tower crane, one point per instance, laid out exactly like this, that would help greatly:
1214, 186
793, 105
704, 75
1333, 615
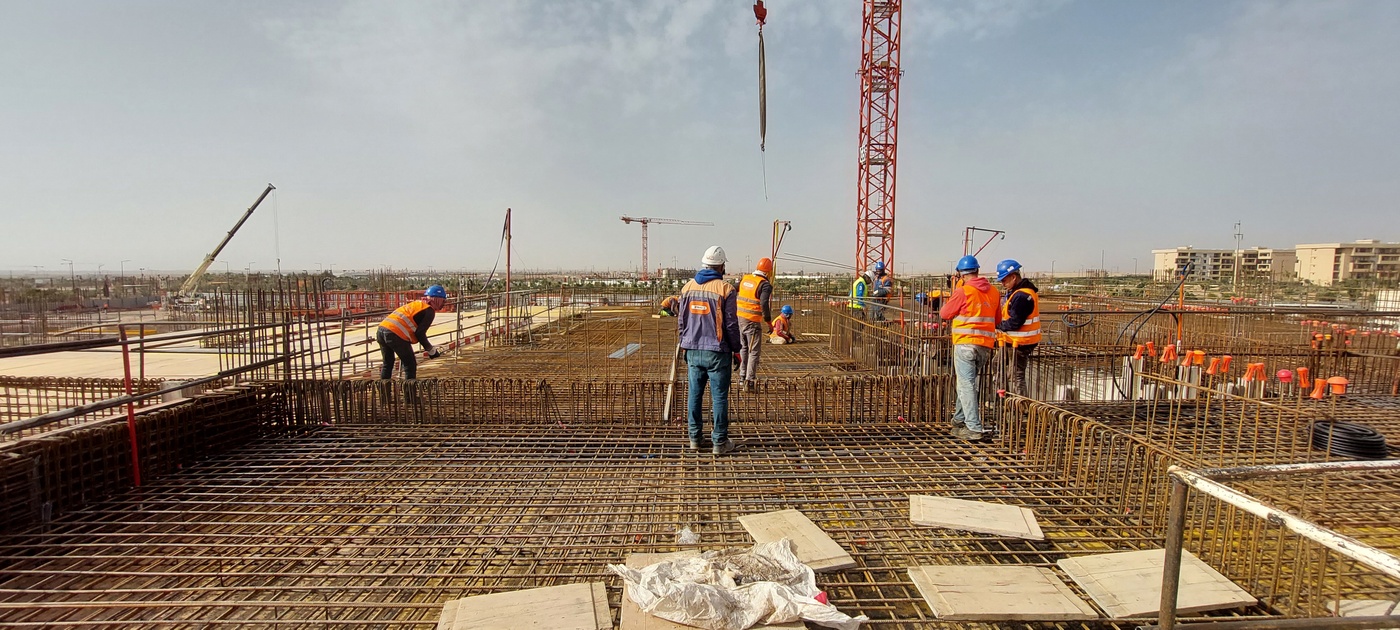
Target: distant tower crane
879, 115
645, 221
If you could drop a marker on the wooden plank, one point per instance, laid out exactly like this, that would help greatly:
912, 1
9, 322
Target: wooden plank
582, 606
811, 545
449, 615
1129, 584
974, 516
634, 619
998, 593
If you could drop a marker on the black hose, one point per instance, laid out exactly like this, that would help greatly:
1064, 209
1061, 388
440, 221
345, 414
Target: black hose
1349, 439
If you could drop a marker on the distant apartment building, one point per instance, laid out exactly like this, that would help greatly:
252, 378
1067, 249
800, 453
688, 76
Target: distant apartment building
1219, 264
1366, 259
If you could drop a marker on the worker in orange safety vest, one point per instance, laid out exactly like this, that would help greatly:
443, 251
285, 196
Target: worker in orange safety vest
407, 325
972, 308
1020, 320
755, 292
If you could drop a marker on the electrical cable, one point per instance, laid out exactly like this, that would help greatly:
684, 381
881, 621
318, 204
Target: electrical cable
1186, 273
1349, 439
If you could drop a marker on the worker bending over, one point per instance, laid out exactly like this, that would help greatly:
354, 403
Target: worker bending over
708, 329
669, 305
782, 328
972, 307
405, 326
1020, 320
755, 291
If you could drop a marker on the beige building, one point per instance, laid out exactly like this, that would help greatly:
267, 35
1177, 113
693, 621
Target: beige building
1219, 264
1366, 259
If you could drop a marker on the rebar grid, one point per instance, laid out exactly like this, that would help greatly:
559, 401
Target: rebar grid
1292, 574
377, 526
646, 347
28, 396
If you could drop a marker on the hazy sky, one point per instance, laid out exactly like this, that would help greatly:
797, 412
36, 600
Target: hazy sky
398, 133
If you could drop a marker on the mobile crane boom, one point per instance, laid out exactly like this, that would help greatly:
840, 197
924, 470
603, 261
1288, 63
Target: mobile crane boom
189, 285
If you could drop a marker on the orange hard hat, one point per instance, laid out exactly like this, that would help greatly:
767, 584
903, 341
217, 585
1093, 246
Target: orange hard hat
765, 265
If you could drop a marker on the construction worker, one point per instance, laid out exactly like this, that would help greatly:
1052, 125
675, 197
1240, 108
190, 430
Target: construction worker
782, 328
931, 300
755, 291
860, 289
884, 286
708, 328
1020, 320
972, 307
670, 305
405, 326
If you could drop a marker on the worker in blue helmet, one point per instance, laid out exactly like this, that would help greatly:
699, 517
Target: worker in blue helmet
782, 327
971, 310
882, 290
408, 324
1019, 325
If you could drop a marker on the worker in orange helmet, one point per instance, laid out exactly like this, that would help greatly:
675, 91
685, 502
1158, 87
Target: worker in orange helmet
755, 291
972, 307
405, 326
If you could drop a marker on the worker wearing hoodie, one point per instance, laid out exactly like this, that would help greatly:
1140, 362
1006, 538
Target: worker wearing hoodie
972, 308
708, 328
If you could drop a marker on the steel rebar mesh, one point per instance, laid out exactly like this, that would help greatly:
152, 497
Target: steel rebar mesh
373, 524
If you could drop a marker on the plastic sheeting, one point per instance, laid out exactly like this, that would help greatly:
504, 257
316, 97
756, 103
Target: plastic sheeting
734, 589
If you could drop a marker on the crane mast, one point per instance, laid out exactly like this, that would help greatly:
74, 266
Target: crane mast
879, 116
189, 285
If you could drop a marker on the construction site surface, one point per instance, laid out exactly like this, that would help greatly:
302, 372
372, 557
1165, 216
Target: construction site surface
292, 489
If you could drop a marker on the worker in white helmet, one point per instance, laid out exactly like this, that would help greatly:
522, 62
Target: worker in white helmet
708, 328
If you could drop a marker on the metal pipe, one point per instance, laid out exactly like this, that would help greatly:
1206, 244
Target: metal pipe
1171, 565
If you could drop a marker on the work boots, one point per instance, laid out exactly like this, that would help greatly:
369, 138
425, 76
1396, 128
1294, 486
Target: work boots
721, 448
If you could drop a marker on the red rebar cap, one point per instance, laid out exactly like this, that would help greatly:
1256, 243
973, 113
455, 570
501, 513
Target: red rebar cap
1284, 376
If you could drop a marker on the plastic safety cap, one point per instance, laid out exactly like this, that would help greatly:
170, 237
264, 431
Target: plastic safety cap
765, 265
968, 263
436, 291
714, 256
787, 310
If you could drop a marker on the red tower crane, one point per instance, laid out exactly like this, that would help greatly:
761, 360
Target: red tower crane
879, 116
645, 221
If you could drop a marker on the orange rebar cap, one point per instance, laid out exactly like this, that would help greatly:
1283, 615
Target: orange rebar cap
1303, 380
1338, 384
1317, 391
1225, 363
1214, 366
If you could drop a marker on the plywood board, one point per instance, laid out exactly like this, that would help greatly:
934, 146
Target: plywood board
974, 516
449, 615
1366, 608
811, 545
634, 619
998, 593
568, 607
1129, 584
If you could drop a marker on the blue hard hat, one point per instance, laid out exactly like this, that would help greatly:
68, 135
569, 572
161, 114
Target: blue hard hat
1006, 268
436, 291
920, 297
879, 266
968, 263
787, 310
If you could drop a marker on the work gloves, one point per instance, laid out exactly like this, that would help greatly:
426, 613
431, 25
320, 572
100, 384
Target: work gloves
432, 353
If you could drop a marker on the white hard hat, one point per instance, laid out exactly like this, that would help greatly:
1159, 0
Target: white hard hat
714, 256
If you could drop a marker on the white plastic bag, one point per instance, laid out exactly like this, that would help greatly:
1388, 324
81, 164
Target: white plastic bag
733, 589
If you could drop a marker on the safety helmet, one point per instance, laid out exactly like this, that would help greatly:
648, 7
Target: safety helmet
714, 256
436, 291
787, 310
1006, 268
879, 266
968, 263
765, 267
920, 297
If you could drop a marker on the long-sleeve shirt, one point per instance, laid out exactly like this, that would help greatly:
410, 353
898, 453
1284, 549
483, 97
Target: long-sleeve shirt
958, 298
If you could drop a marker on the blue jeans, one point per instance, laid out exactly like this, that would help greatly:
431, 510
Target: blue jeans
715, 367
968, 361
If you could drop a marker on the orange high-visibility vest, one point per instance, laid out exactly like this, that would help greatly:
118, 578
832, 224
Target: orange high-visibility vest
781, 327
1029, 332
749, 306
401, 320
977, 323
